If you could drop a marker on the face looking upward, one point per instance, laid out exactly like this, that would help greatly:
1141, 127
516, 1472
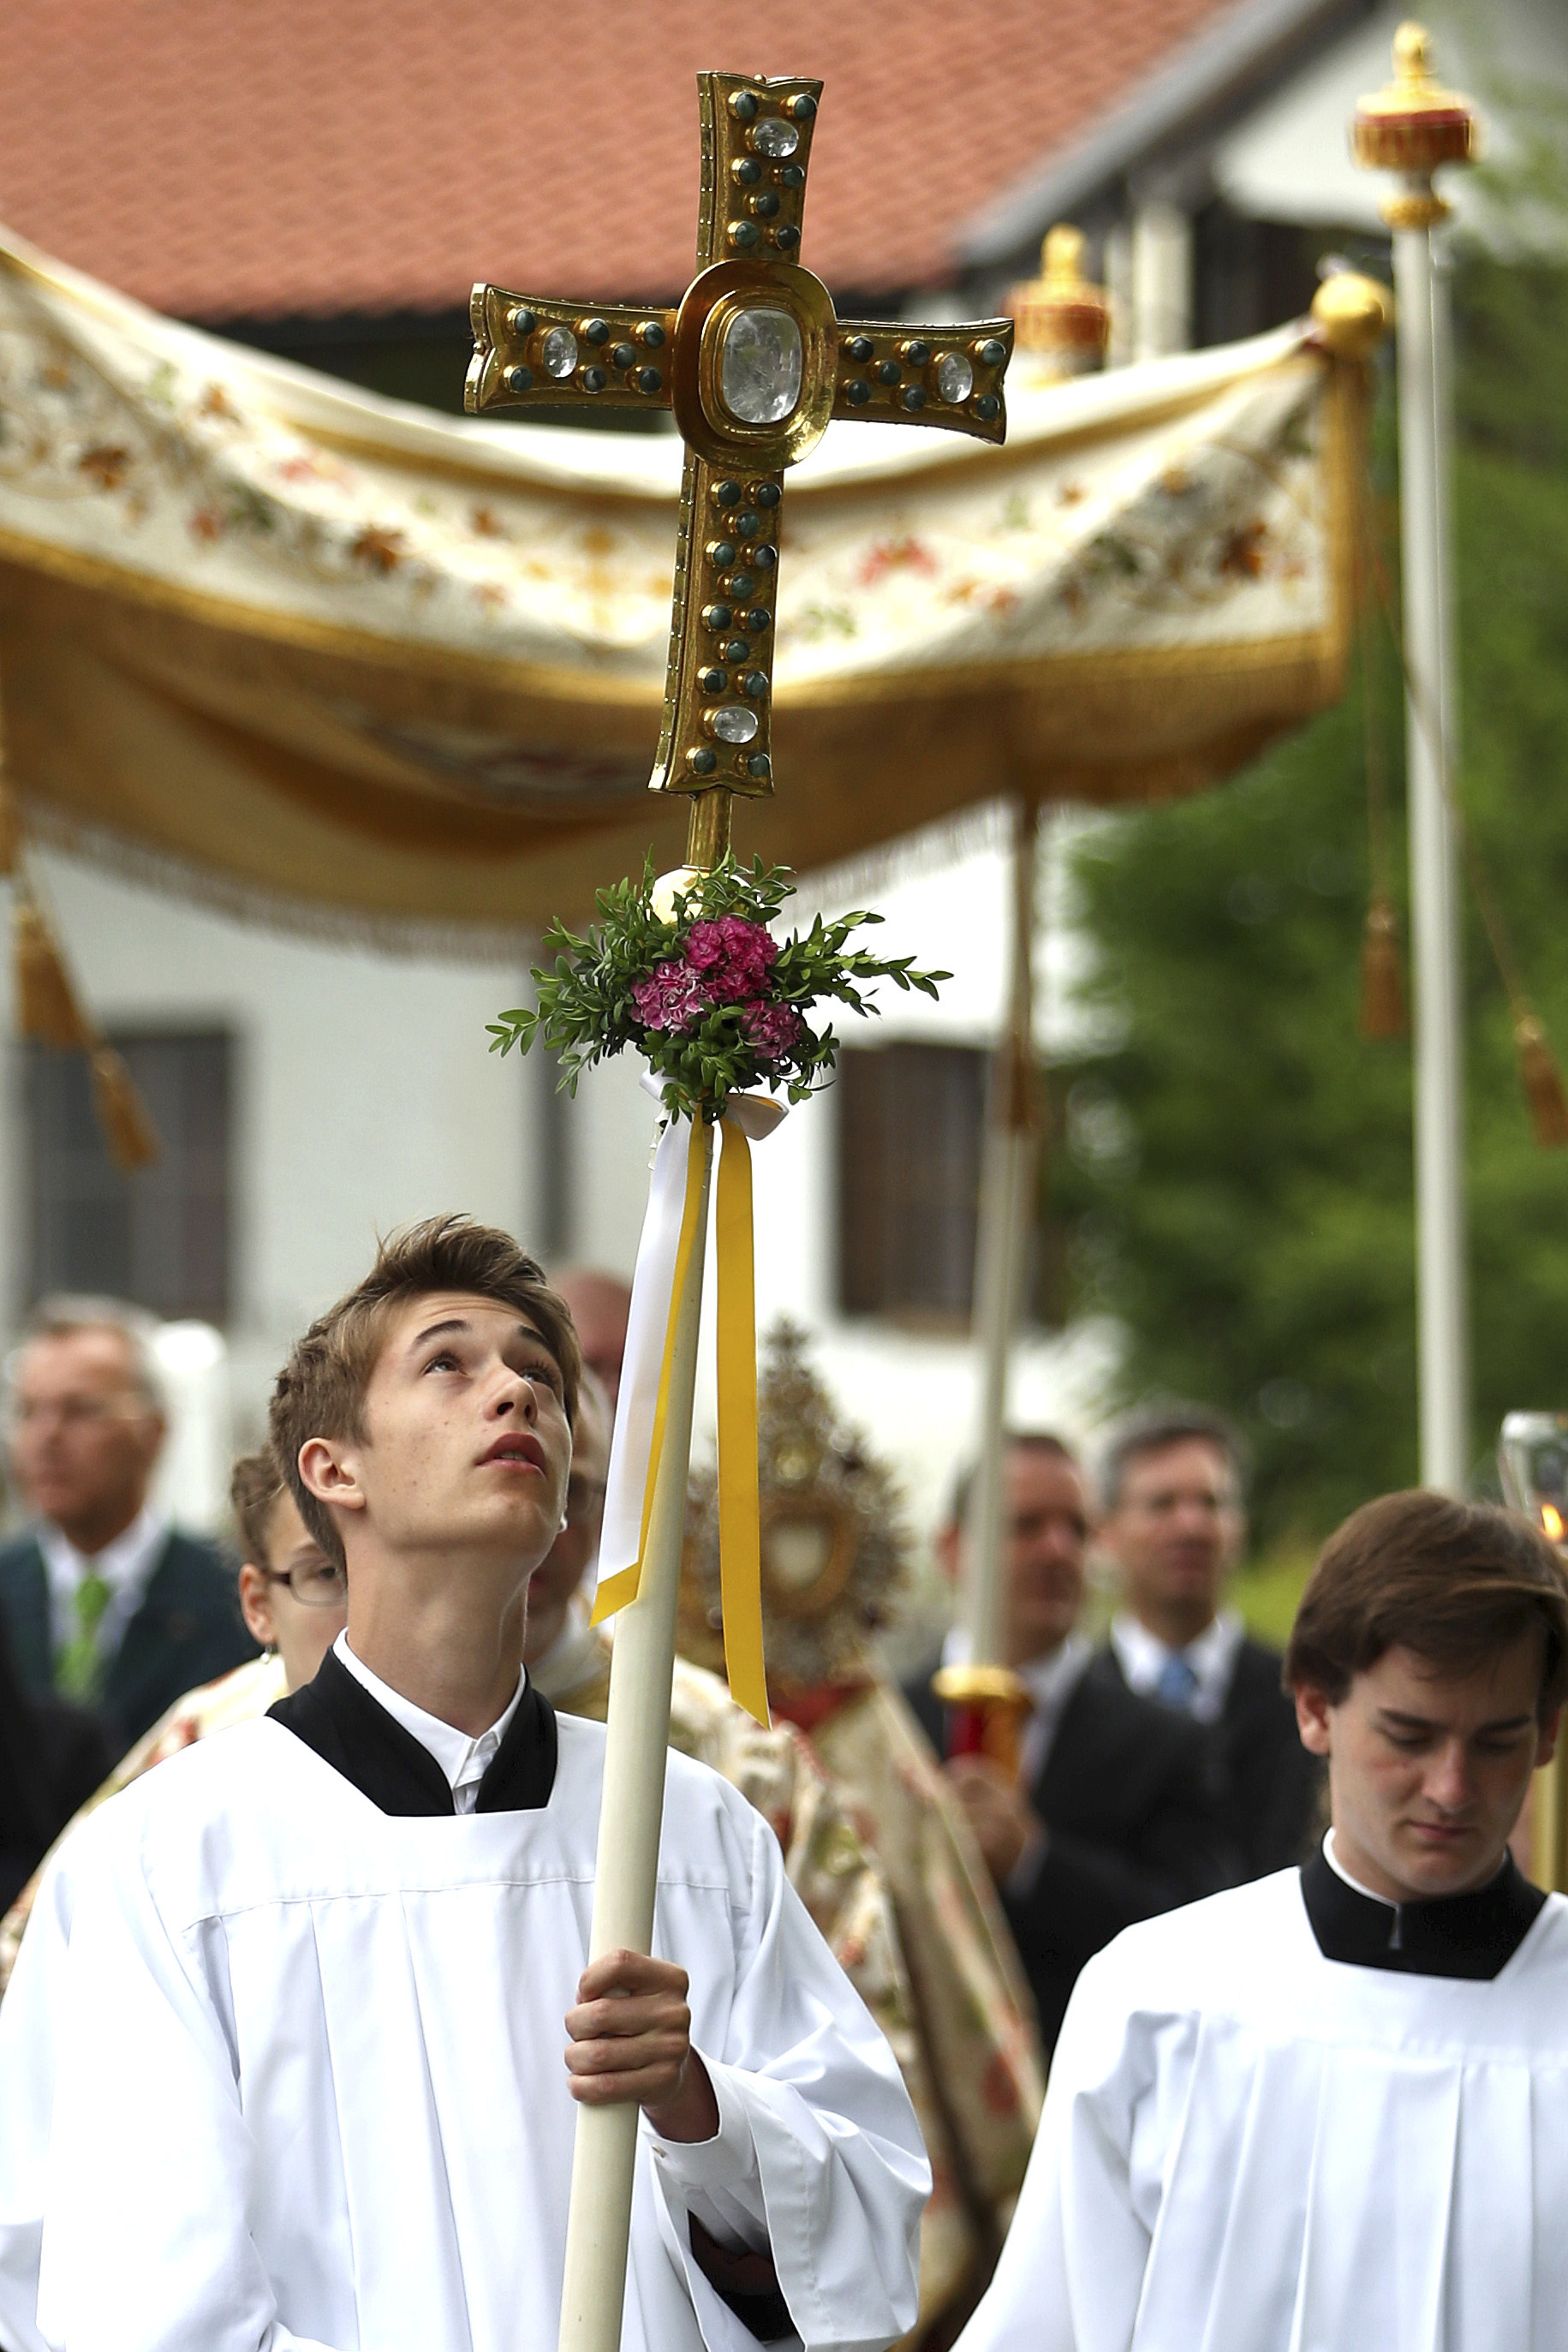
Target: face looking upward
1429, 1771
1175, 1532
466, 1447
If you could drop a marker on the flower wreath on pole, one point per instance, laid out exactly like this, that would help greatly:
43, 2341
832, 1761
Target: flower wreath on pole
686, 970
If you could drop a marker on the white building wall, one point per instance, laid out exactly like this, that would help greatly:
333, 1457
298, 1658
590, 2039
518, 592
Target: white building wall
364, 1094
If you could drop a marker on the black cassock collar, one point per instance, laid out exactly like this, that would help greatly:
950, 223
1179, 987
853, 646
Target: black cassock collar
1473, 1935
336, 1716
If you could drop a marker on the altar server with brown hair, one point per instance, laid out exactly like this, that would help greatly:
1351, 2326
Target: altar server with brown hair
309, 2088
1329, 2108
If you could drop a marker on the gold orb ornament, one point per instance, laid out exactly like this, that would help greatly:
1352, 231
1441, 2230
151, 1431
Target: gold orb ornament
1353, 314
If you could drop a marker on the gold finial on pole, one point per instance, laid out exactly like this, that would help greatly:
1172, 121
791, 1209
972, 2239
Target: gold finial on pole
1413, 127
1062, 320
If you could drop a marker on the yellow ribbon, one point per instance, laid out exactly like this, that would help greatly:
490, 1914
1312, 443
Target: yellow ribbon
740, 1545
740, 1531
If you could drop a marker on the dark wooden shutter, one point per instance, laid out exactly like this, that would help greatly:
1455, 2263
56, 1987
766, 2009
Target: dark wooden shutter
910, 1124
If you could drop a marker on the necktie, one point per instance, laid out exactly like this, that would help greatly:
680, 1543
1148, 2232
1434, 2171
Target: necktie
76, 1675
1177, 1684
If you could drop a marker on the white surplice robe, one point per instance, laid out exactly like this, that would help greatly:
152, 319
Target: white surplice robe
1247, 2147
290, 2073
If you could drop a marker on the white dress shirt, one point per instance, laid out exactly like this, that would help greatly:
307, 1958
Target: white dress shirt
126, 1566
1143, 1657
463, 1760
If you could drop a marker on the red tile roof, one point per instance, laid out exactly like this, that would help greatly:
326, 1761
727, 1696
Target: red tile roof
290, 157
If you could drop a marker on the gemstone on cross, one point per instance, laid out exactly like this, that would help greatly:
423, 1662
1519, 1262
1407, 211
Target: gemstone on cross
755, 363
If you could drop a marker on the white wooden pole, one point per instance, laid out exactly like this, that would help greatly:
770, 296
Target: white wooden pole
1441, 1285
599, 2220
1007, 1216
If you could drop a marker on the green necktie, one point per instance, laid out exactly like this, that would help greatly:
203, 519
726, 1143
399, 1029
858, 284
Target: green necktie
76, 1675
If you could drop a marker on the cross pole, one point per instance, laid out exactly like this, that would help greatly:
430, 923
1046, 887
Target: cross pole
754, 362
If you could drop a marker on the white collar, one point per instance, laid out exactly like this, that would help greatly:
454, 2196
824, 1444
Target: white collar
461, 1759
1052, 1679
126, 1566
1339, 1870
1143, 1657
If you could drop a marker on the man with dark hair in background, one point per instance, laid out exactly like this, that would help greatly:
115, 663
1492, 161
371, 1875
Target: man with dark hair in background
106, 1603
1117, 1813
1172, 1527
1330, 2107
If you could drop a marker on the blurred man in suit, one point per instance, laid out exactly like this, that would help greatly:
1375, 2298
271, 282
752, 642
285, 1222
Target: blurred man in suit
600, 1308
106, 1603
1116, 1812
1173, 1529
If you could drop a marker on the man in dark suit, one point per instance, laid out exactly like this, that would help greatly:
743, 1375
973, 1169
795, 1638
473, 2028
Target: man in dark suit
1172, 1527
1116, 1812
105, 1603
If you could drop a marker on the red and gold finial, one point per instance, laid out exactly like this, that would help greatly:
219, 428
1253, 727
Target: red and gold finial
1062, 322
1413, 127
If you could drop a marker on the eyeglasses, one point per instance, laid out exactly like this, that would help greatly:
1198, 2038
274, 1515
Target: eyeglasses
314, 1582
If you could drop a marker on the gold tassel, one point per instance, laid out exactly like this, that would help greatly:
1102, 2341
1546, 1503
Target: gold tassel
1382, 989
46, 1007
10, 829
1542, 1083
126, 1121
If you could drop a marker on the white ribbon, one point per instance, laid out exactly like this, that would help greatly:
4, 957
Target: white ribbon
652, 1290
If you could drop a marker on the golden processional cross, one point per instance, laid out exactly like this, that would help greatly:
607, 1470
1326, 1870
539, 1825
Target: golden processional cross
754, 362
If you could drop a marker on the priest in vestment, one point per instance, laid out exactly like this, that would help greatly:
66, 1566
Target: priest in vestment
305, 1987
1330, 2109
833, 1557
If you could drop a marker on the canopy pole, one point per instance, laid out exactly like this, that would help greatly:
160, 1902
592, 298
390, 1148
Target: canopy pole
604, 2152
1424, 396
1413, 128
986, 1698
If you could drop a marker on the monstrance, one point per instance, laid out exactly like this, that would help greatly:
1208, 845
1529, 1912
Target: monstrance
755, 363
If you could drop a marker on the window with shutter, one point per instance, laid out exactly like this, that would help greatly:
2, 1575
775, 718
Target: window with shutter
161, 1237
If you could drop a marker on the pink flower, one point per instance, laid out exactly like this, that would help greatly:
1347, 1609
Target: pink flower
734, 958
772, 1028
670, 998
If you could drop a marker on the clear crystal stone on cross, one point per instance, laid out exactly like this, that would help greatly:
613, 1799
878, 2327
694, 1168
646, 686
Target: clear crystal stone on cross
755, 363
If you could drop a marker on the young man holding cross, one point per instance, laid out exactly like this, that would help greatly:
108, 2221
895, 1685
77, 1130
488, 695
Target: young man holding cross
308, 1980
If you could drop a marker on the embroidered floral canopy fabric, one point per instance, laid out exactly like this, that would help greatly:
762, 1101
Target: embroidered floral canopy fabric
308, 647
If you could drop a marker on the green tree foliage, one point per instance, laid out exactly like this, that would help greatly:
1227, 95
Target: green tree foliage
1236, 1183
